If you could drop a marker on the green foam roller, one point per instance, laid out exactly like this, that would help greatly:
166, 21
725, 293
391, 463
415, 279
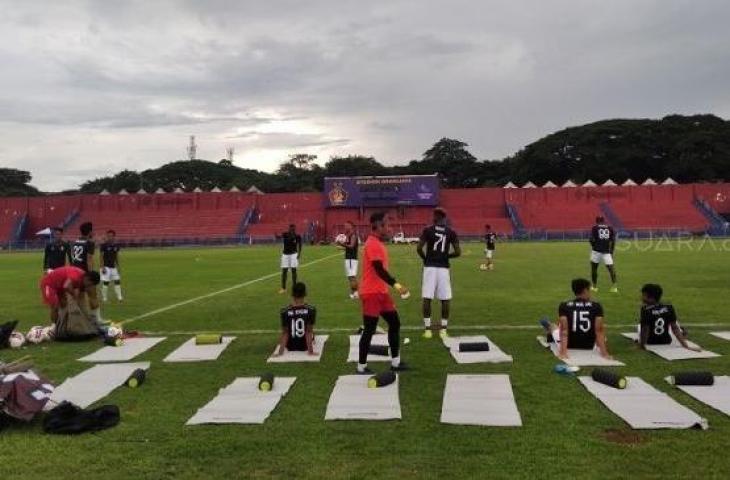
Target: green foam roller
474, 347
137, 378
694, 378
607, 377
208, 339
379, 350
266, 382
382, 379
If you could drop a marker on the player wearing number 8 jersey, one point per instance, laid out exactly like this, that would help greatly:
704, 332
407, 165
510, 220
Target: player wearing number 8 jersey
297, 323
658, 319
603, 243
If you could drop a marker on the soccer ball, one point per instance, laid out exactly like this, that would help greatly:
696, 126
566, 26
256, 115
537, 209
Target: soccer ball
49, 333
35, 335
16, 340
483, 266
114, 332
341, 238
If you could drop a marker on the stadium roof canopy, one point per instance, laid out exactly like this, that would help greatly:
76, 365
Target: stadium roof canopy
234, 189
589, 183
510, 185
569, 184
123, 192
549, 184
669, 181
649, 181
160, 190
197, 190
141, 191
609, 183
216, 189
254, 189
104, 192
629, 183
529, 185
178, 190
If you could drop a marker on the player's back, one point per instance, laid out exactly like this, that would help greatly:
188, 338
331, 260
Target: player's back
581, 316
80, 251
57, 278
657, 319
295, 319
439, 240
602, 237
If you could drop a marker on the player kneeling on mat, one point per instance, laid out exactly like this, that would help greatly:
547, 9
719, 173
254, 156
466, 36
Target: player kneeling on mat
297, 323
580, 323
657, 319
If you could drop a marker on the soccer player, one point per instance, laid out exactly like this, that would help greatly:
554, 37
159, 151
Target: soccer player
375, 297
438, 240
82, 250
290, 255
603, 242
490, 239
580, 323
297, 323
110, 266
57, 251
657, 319
67, 280
350, 246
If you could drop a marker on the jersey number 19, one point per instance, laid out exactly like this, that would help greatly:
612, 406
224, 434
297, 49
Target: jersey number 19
297, 327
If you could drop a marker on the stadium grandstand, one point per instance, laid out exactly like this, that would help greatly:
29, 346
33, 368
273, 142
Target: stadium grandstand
161, 219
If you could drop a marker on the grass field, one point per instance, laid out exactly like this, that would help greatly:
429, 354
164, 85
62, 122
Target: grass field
566, 432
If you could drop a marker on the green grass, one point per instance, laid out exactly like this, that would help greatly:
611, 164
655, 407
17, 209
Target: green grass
564, 432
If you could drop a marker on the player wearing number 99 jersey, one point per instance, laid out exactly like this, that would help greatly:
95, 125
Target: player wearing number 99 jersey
297, 323
657, 319
603, 243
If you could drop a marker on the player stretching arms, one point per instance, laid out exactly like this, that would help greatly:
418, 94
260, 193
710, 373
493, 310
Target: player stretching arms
110, 266
57, 251
57, 283
82, 250
657, 319
375, 297
603, 242
290, 255
439, 240
297, 323
580, 323
490, 239
350, 246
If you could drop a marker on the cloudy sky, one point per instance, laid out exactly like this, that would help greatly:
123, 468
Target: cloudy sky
89, 88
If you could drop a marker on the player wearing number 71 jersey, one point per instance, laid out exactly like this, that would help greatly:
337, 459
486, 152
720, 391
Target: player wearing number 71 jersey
297, 323
657, 319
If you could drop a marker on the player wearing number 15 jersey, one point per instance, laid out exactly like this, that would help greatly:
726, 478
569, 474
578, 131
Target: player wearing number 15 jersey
657, 319
297, 323
603, 243
437, 245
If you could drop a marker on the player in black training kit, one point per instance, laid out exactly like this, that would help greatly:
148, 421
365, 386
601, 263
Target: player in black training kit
657, 319
603, 243
297, 324
441, 244
57, 251
490, 238
82, 250
580, 323
350, 246
290, 255
110, 266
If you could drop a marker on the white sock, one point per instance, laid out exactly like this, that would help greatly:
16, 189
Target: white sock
395, 361
444, 323
361, 367
118, 291
427, 323
104, 290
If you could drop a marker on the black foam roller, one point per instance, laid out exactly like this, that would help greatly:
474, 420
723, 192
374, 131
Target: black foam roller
607, 377
694, 378
474, 347
382, 379
266, 382
379, 350
137, 378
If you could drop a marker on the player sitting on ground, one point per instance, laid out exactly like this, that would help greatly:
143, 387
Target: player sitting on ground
297, 323
290, 255
57, 251
580, 321
350, 246
657, 319
67, 280
603, 243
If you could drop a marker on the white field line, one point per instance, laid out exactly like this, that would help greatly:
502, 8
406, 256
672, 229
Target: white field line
408, 328
219, 292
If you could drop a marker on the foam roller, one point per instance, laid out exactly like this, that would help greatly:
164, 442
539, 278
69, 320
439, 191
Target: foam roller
113, 341
266, 383
607, 377
208, 339
382, 379
474, 347
137, 378
379, 350
693, 378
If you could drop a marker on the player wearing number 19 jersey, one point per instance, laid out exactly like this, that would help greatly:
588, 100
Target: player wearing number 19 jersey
297, 323
603, 242
441, 244
657, 319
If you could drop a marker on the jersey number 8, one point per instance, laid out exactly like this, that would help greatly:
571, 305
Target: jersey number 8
659, 327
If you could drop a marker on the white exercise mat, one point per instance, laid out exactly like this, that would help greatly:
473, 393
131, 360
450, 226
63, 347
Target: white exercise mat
480, 400
378, 339
293, 357
494, 355
581, 358
351, 399
243, 402
644, 407
675, 350
723, 335
130, 349
191, 352
716, 396
93, 384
